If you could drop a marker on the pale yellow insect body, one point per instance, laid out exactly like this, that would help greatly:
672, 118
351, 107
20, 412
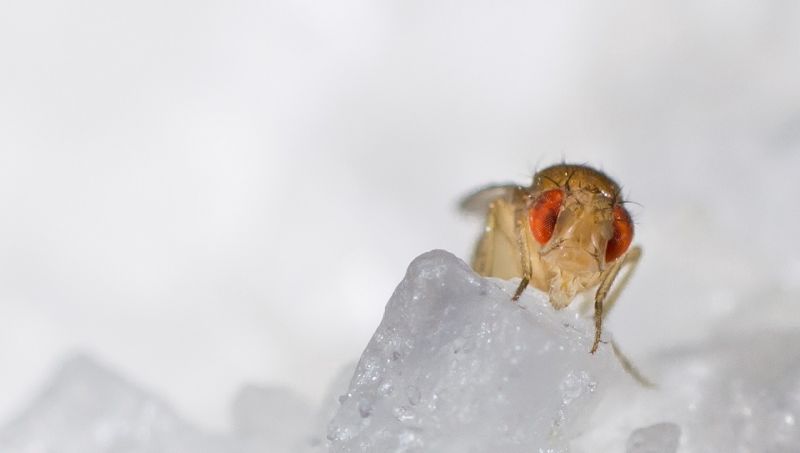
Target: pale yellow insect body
566, 234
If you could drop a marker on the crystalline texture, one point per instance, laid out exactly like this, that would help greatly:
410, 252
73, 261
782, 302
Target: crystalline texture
456, 366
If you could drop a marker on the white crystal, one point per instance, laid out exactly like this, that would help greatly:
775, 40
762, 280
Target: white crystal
456, 366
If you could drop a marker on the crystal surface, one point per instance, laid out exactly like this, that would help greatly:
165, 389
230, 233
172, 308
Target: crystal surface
456, 366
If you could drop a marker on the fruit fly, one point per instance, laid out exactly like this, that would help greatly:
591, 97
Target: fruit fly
567, 233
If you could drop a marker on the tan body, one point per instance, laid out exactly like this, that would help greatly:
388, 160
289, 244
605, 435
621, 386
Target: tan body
573, 259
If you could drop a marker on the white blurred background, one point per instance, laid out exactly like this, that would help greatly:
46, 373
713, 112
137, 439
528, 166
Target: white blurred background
204, 194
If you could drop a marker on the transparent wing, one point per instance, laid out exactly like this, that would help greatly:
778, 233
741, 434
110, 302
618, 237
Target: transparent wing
498, 251
478, 202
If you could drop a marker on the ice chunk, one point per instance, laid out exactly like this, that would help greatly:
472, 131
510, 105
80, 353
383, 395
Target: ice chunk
658, 438
328, 408
87, 409
456, 366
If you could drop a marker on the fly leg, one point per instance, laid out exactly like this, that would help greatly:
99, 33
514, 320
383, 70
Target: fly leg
629, 367
521, 288
520, 225
483, 257
630, 261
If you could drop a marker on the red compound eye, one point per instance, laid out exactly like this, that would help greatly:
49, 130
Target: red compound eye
544, 214
623, 234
